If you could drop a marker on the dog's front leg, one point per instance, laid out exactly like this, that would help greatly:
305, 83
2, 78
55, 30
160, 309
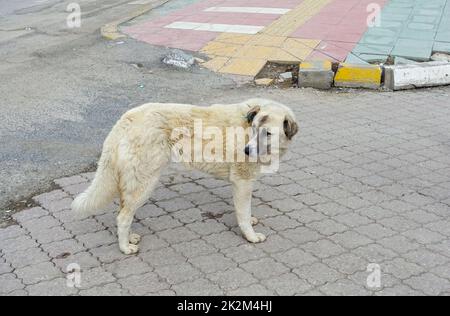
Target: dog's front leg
242, 196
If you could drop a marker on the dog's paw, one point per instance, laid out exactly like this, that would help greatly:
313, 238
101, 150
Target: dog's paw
254, 221
130, 249
256, 238
135, 239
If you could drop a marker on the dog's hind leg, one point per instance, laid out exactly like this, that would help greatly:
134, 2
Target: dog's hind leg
130, 201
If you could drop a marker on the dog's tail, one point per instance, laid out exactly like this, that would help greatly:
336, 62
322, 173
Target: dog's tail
99, 195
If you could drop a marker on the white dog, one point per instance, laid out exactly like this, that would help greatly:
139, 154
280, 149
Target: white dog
145, 139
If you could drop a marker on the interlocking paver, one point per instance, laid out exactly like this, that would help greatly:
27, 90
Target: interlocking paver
323, 248
84, 227
301, 235
9, 283
20, 259
56, 287
95, 277
401, 268
306, 215
328, 227
287, 285
59, 248
255, 289
318, 273
426, 258
424, 236
324, 225
175, 204
188, 216
5, 267
295, 258
46, 198
177, 235
174, 274
13, 231
163, 257
144, 284
53, 234
207, 227
264, 268
111, 289
429, 284
352, 219
21, 243
347, 263
93, 240
126, 267
232, 279
279, 223
194, 248
107, 254
224, 240
43, 271
199, 287
30, 214
212, 263
84, 259
244, 253
275, 243
398, 290
375, 231
40, 224
351, 239
374, 253
343, 287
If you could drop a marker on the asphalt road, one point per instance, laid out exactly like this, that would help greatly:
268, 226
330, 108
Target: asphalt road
62, 90
8, 7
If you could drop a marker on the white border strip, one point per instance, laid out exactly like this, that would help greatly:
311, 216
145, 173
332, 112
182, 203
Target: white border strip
248, 10
211, 27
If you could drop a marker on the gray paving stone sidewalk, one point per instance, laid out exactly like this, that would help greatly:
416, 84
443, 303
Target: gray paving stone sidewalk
367, 182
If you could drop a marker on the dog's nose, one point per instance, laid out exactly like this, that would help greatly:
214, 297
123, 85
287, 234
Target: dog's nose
247, 150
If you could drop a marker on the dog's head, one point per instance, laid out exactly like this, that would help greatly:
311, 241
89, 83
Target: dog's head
273, 128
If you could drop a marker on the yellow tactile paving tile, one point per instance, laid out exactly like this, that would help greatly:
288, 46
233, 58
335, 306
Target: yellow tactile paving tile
300, 43
244, 66
299, 48
258, 52
295, 18
237, 39
267, 40
220, 49
282, 55
216, 63
245, 54
316, 64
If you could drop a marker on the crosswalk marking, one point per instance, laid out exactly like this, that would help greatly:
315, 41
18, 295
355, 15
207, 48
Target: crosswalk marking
248, 10
211, 27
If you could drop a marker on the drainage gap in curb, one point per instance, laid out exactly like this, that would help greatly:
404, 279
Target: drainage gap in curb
282, 75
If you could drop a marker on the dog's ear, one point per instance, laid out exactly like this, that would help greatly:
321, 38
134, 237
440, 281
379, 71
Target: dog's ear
252, 113
290, 128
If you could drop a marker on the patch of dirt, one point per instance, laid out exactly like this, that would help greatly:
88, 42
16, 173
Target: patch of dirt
273, 70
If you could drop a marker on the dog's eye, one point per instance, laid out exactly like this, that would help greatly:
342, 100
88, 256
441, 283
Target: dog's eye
269, 134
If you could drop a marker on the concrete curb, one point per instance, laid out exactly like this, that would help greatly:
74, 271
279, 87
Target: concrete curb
430, 74
111, 31
324, 75
358, 76
316, 74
